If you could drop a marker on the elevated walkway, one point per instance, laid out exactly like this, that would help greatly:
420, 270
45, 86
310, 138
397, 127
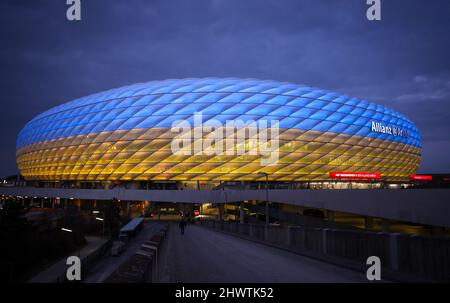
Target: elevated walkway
421, 206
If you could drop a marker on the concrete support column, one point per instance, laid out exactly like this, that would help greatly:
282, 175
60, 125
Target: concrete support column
385, 225
241, 213
53, 202
93, 205
220, 212
368, 222
42, 202
159, 212
128, 209
330, 215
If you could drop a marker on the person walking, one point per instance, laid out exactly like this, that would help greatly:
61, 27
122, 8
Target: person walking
182, 226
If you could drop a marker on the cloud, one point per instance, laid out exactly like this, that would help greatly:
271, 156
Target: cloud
401, 62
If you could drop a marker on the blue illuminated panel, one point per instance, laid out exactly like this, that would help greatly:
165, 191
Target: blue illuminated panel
159, 103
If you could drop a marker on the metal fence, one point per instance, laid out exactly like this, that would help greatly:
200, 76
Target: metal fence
426, 257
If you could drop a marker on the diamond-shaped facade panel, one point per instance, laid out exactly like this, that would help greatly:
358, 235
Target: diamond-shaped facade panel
125, 134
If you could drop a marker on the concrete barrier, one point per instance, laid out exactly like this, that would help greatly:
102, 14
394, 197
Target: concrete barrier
357, 245
305, 238
244, 229
425, 256
258, 231
136, 269
144, 265
277, 235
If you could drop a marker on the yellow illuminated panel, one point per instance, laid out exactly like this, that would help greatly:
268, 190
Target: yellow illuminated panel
141, 154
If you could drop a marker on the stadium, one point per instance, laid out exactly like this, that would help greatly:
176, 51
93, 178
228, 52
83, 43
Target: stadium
126, 134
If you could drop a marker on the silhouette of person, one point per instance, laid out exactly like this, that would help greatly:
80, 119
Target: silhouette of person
182, 226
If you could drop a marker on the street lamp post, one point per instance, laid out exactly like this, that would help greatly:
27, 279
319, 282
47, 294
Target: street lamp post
101, 219
103, 222
267, 195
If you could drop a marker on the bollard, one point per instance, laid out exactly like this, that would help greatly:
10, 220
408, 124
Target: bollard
155, 251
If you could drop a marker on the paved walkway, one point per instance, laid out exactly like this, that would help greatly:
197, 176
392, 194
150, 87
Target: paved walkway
202, 255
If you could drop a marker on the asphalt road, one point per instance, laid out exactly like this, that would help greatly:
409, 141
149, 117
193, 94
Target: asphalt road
202, 255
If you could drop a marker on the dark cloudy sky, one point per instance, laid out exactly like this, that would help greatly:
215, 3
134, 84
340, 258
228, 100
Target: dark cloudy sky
402, 62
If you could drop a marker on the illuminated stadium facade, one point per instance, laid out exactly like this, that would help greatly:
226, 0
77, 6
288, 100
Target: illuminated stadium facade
127, 134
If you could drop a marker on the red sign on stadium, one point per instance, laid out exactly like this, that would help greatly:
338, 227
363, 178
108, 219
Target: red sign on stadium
421, 178
354, 175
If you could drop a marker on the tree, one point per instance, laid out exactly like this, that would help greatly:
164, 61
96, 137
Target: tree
14, 228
